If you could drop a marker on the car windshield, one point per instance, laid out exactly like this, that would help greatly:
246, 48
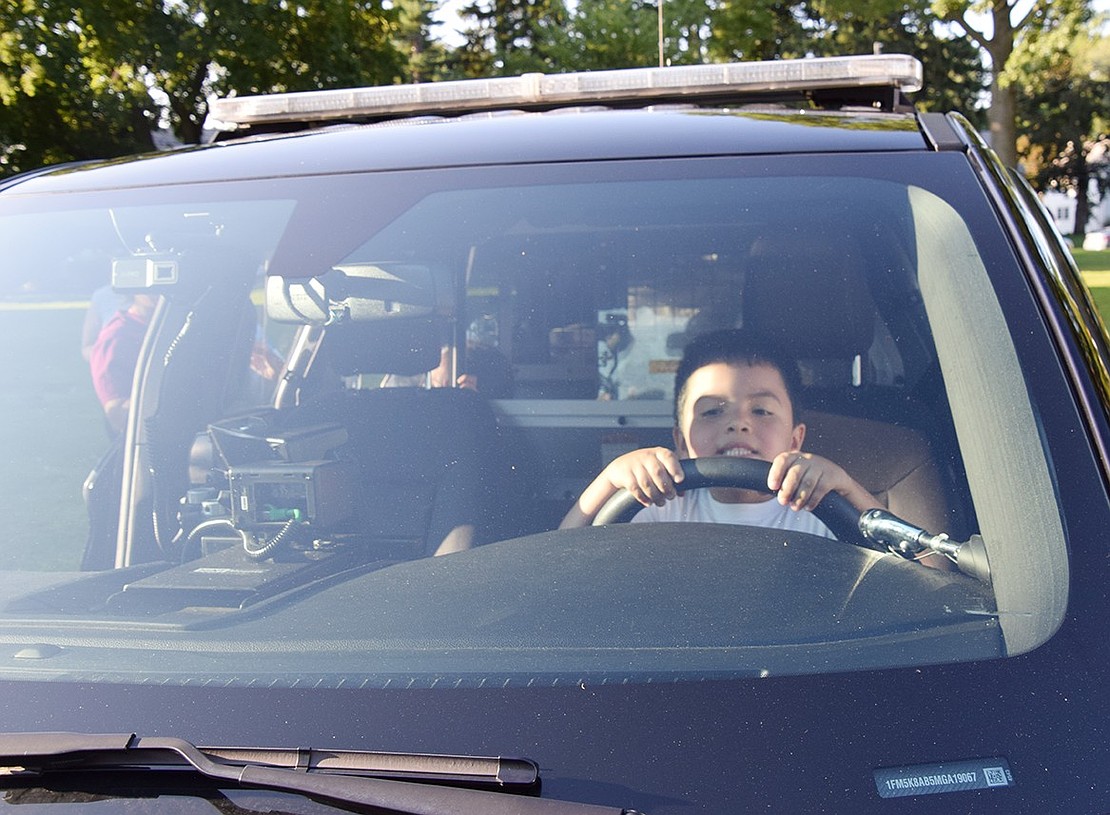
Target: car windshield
243, 417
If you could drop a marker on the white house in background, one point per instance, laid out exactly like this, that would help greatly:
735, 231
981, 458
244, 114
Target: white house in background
1061, 207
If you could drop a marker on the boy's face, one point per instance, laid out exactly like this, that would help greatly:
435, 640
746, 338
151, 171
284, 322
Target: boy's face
737, 410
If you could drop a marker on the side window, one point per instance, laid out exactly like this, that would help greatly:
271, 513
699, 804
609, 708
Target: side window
78, 296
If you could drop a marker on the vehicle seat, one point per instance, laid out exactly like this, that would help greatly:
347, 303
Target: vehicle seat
427, 460
894, 463
813, 300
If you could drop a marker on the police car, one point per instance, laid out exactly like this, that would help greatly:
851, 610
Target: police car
282, 531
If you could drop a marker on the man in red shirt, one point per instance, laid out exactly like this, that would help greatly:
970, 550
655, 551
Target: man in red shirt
113, 357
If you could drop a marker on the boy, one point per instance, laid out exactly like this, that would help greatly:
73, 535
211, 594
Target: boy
733, 397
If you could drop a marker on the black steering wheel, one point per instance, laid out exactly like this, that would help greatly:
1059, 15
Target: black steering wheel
835, 512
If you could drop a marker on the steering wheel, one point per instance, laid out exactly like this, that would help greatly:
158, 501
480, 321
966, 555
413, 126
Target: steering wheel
834, 511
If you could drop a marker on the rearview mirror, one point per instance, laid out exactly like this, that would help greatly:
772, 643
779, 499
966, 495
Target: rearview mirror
359, 292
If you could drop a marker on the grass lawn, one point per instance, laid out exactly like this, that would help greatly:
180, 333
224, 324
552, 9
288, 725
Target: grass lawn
1101, 296
46, 456
1089, 261
1096, 271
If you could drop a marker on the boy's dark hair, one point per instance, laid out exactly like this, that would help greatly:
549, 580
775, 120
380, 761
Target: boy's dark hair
734, 346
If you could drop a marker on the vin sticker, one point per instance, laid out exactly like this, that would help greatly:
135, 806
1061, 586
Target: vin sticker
951, 776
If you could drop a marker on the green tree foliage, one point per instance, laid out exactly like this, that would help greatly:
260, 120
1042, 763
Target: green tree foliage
508, 37
698, 31
759, 30
997, 26
604, 34
1061, 80
93, 81
600, 34
423, 58
625, 33
188, 49
954, 77
687, 31
60, 98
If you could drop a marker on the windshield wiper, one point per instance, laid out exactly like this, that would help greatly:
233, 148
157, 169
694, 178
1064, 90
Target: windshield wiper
335, 776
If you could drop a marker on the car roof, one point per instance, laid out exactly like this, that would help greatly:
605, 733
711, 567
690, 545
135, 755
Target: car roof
827, 105
565, 135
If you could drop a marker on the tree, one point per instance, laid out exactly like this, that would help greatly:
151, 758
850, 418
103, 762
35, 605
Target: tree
687, 31
1061, 78
604, 34
508, 37
954, 75
94, 81
59, 98
758, 30
424, 59
625, 33
1007, 21
189, 49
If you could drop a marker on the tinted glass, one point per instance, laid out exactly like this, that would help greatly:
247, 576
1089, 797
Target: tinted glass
306, 388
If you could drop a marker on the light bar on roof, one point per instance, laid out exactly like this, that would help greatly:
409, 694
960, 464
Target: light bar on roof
676, 83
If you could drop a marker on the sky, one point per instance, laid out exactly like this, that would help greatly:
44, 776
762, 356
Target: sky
449, 22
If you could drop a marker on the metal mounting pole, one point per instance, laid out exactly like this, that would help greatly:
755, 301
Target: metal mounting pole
660, 36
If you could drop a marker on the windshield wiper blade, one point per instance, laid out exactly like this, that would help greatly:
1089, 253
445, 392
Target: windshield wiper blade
112, 752
342, 777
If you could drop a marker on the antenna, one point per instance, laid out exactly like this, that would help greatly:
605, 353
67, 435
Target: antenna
660, 35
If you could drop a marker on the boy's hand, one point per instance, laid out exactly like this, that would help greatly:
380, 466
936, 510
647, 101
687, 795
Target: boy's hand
802, 480
650, 474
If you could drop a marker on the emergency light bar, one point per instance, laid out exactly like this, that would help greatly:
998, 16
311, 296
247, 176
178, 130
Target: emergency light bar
678, 83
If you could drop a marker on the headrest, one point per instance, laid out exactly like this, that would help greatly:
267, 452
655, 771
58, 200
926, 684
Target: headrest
809, 296
399, 346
